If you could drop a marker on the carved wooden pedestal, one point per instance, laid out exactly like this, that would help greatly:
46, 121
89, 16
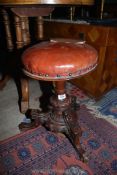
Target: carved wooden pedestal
62, 117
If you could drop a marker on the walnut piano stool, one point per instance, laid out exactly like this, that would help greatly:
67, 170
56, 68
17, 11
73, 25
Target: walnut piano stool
59, 60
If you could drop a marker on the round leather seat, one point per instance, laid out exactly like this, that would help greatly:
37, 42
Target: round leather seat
59, 60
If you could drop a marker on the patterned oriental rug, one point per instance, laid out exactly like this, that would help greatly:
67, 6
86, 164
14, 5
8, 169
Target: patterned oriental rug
40, 152
105, 108
99, 140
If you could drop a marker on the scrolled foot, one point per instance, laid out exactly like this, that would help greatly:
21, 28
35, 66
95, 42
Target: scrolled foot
74, 132
36, 118
26, 126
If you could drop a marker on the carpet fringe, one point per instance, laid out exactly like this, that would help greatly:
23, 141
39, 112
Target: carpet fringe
94, 110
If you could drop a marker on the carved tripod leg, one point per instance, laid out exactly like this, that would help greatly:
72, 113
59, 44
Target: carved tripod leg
36, 118
74, 130
34, 122
39, 117
65, 118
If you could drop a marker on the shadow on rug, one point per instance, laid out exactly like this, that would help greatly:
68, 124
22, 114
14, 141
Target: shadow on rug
40, 152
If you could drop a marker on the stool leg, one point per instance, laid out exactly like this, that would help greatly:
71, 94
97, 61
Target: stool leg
64, 116
25, 95
24, 104
74, 130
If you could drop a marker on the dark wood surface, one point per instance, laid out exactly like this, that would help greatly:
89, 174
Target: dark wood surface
103, 38
31, 2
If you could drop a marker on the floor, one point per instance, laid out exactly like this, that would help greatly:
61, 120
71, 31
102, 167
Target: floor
10, 116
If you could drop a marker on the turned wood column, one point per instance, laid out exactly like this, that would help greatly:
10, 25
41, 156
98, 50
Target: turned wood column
25, 30
60, 87
7, 30
22, 31
19, 38
40, 33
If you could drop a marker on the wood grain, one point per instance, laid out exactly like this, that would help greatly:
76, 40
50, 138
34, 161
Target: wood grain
31, 2
103, 38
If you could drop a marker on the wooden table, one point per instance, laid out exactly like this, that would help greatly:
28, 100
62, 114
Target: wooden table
46, 2
31, 3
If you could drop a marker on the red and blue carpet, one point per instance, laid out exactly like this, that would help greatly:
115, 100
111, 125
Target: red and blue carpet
40, 152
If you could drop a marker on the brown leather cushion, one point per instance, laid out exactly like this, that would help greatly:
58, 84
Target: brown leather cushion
57, 60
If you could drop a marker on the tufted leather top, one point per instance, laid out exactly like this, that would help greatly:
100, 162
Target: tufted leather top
59, 60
